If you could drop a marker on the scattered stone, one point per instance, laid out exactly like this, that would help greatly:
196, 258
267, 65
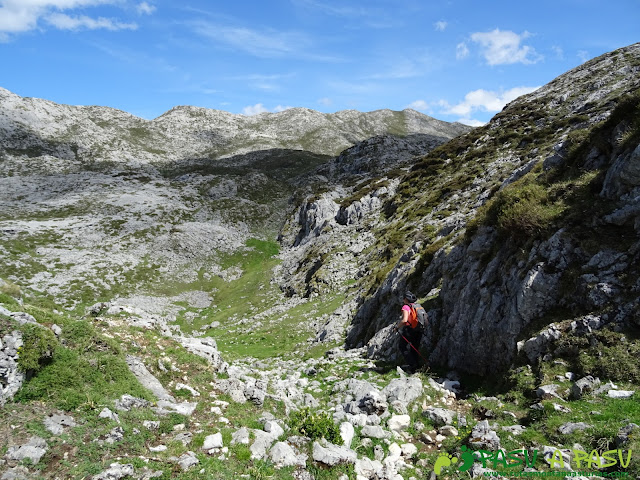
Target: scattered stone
282, 455
347, 432
399, 422
115, 435
214, 441
16, 473
376, 431
106, 413
623, 434
570, 427
408, 450
448, 431
33, 450
159, 448
151, 424
55, 423
514, 429
193, 391
116, 471
439, 416
584, 386
405, 390
333, 455
184, 438
127, 402
240, 436
620, 393
187, 460
548, 391
483, 437
366, 468
372, 403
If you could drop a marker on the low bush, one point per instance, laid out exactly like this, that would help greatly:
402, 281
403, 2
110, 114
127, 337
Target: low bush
315, 425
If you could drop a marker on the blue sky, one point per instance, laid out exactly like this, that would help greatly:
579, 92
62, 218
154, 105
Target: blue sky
453, 60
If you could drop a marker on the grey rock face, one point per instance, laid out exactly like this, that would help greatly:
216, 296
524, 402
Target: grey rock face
11, 377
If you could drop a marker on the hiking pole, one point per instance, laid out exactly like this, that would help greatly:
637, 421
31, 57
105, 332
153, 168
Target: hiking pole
410, 344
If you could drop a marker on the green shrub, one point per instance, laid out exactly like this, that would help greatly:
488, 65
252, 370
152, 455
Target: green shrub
522, 210
39, 344
315, 425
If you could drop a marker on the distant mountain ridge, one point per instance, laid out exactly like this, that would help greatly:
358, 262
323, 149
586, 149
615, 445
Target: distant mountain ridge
77, 134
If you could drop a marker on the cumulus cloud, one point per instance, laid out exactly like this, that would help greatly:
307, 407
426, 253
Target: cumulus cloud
472, 122
254, 109
145, 9
483, 100
420, 105
259, 108
18, 16
66, 22
462, 51
440, 26
503, 47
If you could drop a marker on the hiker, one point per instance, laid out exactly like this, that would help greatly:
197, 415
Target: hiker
410, 329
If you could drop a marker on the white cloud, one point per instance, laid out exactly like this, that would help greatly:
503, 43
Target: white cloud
145, 9
472, 122
259, 108
66, 22
558, 51
23, 15
483, 100
326, 101
420, 105
583, 55
462, 51
254, 109
265, 44
504, 47
440, 26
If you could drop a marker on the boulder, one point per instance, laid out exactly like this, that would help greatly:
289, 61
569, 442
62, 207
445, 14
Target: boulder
405, 390
570, 427
583, 386
56, 423
439, 416
483, 437
212, 442
33, 450
116, 471
333, 455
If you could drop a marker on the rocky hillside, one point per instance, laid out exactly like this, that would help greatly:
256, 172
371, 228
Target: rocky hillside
528, 221
67, 138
